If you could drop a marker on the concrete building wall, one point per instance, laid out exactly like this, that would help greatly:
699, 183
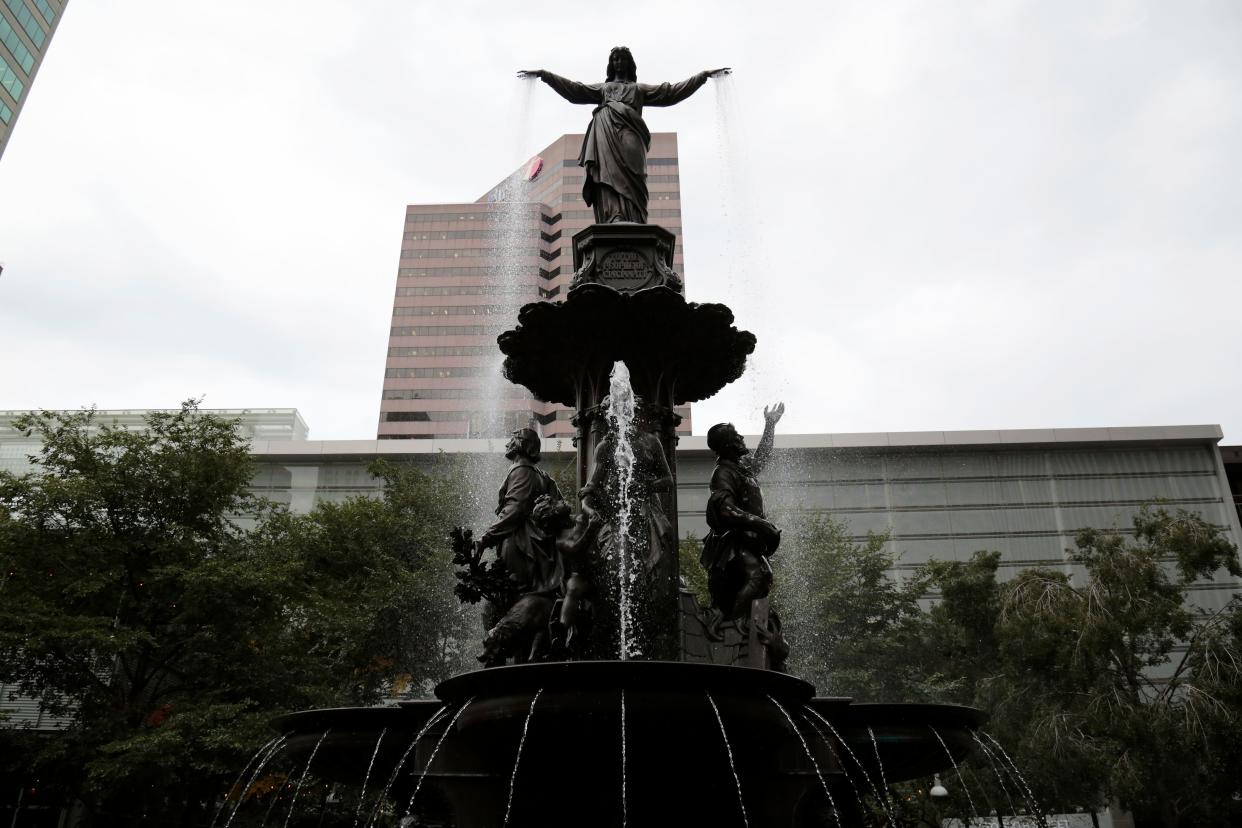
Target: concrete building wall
942, 495
282, 424
464, 272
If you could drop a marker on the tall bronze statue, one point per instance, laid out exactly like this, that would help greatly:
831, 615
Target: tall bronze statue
740, 538
527, 551
614, 150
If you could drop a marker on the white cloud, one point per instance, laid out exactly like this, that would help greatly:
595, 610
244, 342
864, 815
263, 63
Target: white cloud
948, 216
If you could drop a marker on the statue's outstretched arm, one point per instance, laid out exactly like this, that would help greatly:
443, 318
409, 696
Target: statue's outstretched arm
570, 90
667, 94
763, 452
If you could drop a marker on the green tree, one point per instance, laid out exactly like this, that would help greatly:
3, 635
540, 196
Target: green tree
375, 605
853, 628
136, 600
1109, 684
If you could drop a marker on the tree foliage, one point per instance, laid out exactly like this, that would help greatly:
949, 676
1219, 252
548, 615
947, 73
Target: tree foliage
1108, 683
853, 628
1102, 681
170, 613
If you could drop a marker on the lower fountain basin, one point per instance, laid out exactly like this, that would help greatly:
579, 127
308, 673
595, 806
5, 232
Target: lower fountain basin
642, 743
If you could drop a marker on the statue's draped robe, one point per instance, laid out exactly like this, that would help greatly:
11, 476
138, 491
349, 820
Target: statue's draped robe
614, 150
527, 552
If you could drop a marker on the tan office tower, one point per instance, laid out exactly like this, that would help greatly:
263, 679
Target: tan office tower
26, 28
466, 269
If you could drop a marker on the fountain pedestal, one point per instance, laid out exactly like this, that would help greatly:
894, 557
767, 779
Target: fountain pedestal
626, 257
640, 742
626, 305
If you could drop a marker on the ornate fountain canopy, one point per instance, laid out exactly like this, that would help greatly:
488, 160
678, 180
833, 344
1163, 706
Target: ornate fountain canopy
691, 349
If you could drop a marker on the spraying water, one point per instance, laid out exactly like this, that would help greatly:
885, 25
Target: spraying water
743, 236
362, 794
992, 760
409, 807
392, 777
280, 744
624, 801
956, 769
305, 773
517, 760
875, 745
271, 745
1030, 795
732, 767
621, 413
815, 764
882, 799
513, 276
823, 735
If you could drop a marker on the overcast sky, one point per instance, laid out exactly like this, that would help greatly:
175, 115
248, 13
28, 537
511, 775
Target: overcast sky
945, 215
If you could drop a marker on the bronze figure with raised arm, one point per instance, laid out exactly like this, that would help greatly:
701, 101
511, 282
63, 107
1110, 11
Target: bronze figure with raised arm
740, 538
614, 150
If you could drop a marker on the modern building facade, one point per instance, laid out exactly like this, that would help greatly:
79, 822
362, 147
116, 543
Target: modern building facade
26, 29
1232, 456
464, 272
941, 495
281, 424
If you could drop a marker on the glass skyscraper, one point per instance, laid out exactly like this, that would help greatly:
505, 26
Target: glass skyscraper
26, 29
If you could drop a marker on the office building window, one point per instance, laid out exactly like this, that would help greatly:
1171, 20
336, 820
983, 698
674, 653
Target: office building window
9, 79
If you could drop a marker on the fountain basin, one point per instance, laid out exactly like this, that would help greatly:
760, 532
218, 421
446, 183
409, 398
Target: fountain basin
673, 766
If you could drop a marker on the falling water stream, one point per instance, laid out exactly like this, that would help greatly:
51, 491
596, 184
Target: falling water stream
362, 794
883, 792
732, 767
409, 807
237, 781
621, 407
956, 769
624, 801
1030, 795
1000, 779
302, 778
883, 800
280, 744
827, 740
513, 225
815, 764
743, 236
392, 777
517, 760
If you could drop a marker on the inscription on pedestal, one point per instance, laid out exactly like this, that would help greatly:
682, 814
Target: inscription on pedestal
624, 269
625, 257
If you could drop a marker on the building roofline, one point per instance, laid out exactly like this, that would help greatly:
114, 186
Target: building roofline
903, 440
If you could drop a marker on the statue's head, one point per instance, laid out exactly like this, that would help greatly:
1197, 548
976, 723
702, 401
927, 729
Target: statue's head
551, 515
723, 439
621, 65
523, 443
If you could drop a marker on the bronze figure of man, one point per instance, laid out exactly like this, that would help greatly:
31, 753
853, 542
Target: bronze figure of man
527, 551
614, 150
740, 538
